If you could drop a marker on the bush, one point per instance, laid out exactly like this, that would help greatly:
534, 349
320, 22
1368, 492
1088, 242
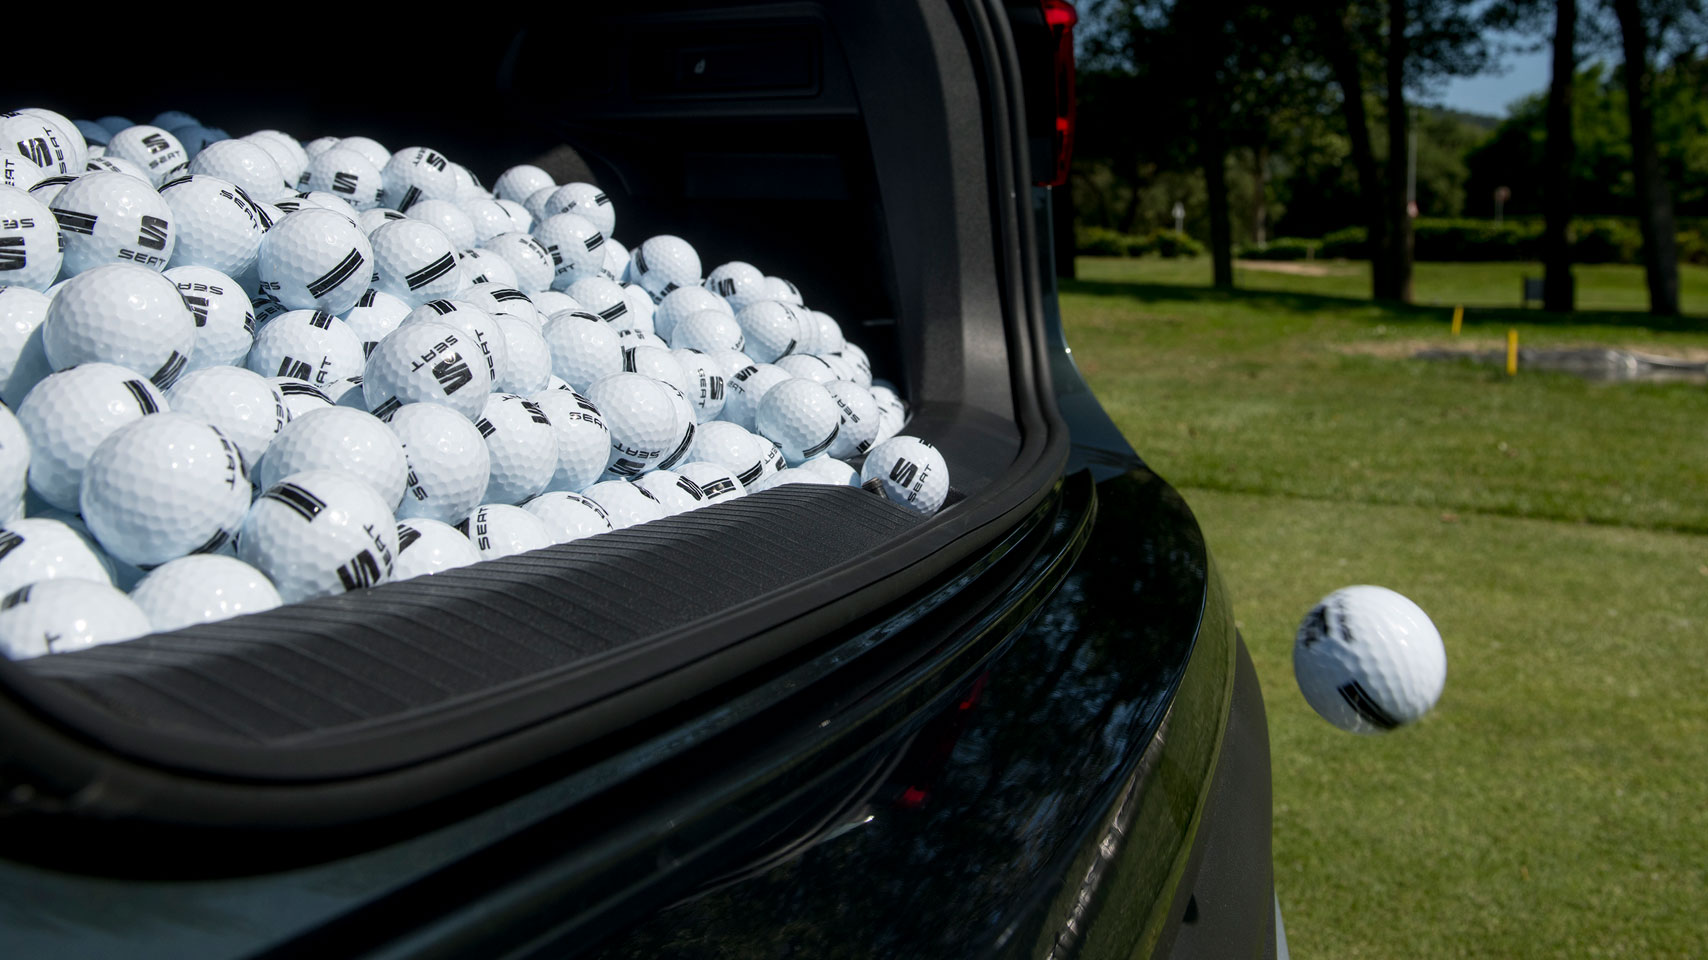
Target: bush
1693, 247
1282, 248
1100, 242
1141, 246
1475, 240
1169, 244
1346, 244
1606, 241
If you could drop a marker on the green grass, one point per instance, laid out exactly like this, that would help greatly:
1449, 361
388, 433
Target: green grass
1554, 804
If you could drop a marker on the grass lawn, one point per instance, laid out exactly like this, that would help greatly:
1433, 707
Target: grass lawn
1557, 531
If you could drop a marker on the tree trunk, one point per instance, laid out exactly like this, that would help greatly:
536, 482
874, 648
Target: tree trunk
1557, 161
1343, 60
1654, 199
1214, 150
1130, 216
1260, 205
1397, 206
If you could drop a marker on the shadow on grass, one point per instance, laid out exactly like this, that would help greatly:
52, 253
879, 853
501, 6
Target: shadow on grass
1162, 293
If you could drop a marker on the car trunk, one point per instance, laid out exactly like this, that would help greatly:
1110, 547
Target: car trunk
869, 155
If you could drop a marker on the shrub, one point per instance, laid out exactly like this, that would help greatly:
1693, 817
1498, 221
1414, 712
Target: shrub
1282, 248
1474, 240
1169, 244
1100, 242
1347, 244
1606, 241
1693, 247
1141, 246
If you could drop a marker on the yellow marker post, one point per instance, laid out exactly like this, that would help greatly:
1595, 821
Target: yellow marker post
1458, 319
1512, 352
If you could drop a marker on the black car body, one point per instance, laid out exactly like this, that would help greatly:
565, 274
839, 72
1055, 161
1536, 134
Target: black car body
800, 724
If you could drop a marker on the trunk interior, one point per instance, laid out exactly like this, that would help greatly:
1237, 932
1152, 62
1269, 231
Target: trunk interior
856, 151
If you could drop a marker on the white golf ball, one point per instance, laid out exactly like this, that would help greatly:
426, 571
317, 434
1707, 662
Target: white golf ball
616, 266
430, 362
418, 173
371, 150
316, 259
449, 465
625, 504
833, 470
426, 547
584, 348
40, 140
29, 241
603, 297
529, 365
287, 154
716, 481
300, 396
225, 319
245, 406
776, 288
651, 425
534, 204
663, 263
19, 173
122, 314
37, 548
657, 363
494, 298
202, 588
520, 182
472, 321
569, 516
374, 316
705, 383
673, 491
583, 440
790, 475
908, 472
347, 174
771, 329
488, 218
23, 359
113, 218
800, 417
739, 283
572, 242
310, 345
1369, 660
484, 267
746, 388
807, 367
709, 331
684, 302
415, 261
67, 416
732, 447
522, 445
246, 164
503, 530
164, 487
340, 439
14, 464
585, 200
156, 151
318, 533
860, 419
59, 616
527, 257
375, 217
448, 217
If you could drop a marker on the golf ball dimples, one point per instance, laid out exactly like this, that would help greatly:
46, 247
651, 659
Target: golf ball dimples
909, 472
426, 547
14, 461
569, 516
122, 314
625, 504
468, 185
202, 588
833, 470
684, 302
709, 331
19, 173
59, 616
673, 491
522, 445
502, 530
1368, 660
829, 338
529, 365
315, 259
807, 367
76, 145
67, 417
225, 320
663, 263
646, 423
36, 548
739, 283
584, 348
732, 447
776, 288
862, 365
378, 313
245, 164
371, 150
319, 533
484, 267
705, 383
117, 164
415, 262
716, 481
746, 388
310, 345
771, 329
112, 218
345, 174
29, 241
860, 419
318, 146
448, 461
573, 243
300, 396
426, 361
245, 406
584, 200
344, 440
495, 299
473, 321
657, 363
522, 220
156, 151
347, 393
521, 181
23, 361
163, 487
583, 440
616, 265
418, 173
445, 215
603, 297
790, 475
487, 218
800, 417
373, 219
534, 204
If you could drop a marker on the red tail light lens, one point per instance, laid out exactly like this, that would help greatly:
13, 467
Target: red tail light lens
1061, 17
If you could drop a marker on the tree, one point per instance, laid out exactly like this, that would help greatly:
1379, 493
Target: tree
1557, 289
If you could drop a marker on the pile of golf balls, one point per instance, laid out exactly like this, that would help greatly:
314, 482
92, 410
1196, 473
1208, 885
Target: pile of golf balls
242, 372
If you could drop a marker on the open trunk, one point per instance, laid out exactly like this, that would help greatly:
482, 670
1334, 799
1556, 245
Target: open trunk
856, 149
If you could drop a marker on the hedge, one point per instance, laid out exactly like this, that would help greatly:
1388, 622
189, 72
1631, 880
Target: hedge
1103, 242
1594, 240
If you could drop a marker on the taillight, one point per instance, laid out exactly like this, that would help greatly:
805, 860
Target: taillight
1060, 16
